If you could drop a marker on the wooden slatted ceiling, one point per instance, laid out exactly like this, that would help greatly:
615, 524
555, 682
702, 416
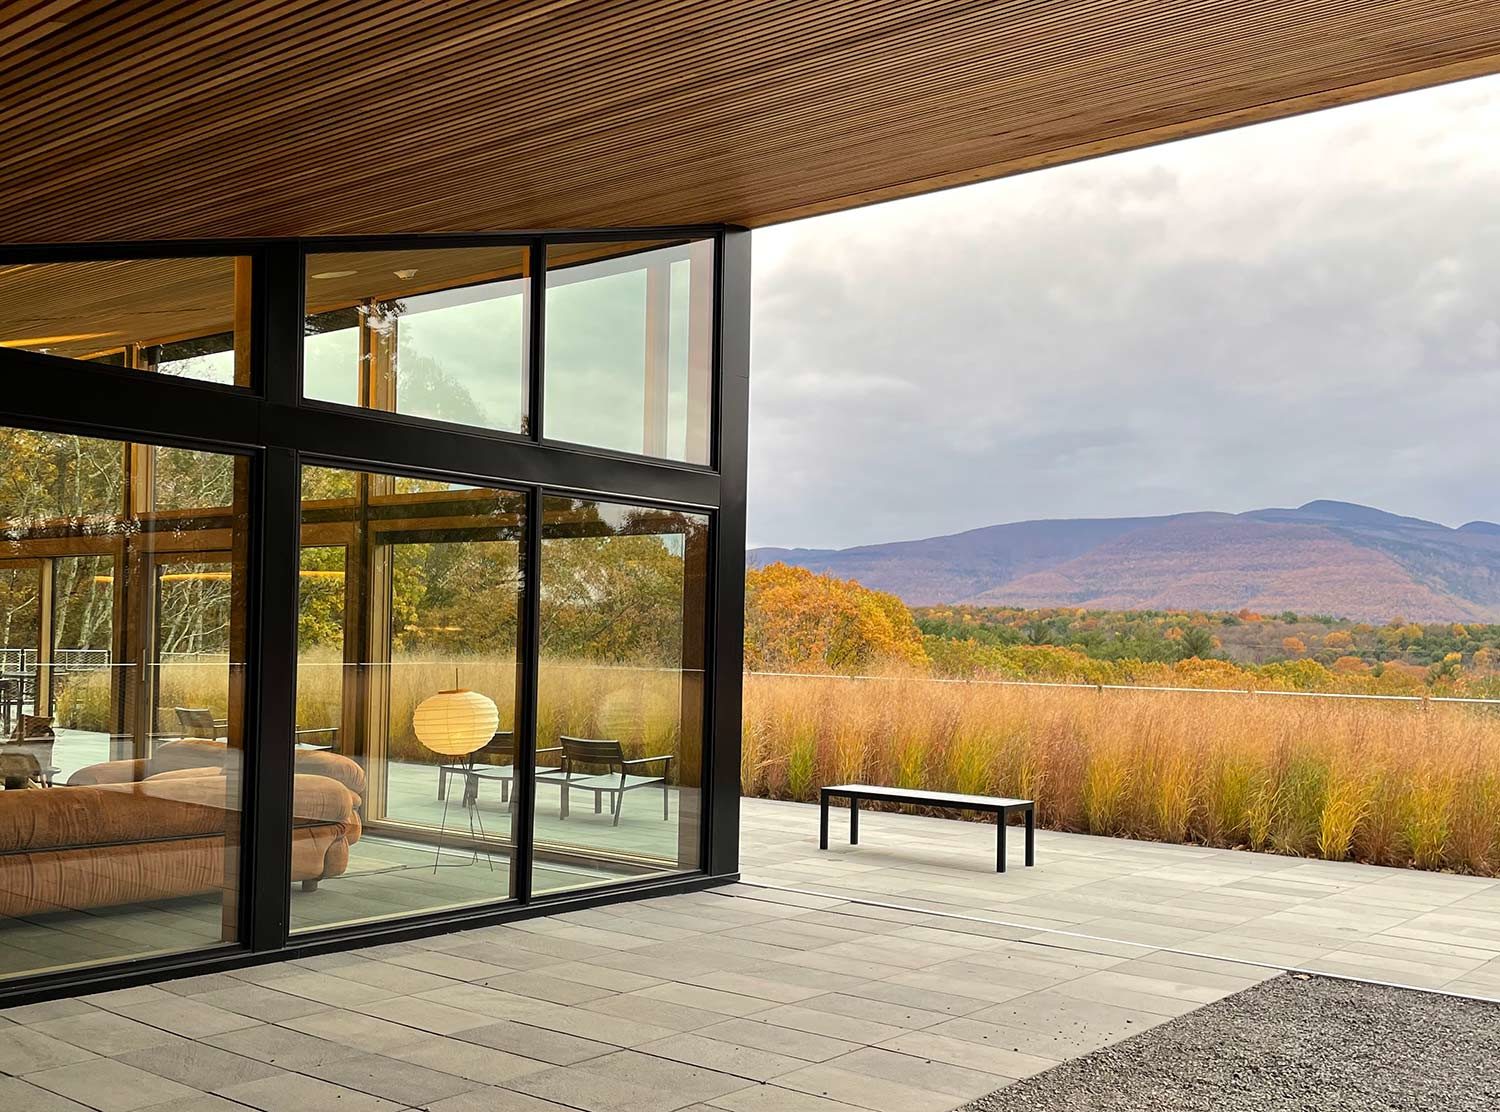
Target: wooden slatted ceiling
134, 119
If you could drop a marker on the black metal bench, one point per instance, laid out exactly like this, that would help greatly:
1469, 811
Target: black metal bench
1001, 808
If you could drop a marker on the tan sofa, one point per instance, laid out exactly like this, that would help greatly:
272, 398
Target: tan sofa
137, 831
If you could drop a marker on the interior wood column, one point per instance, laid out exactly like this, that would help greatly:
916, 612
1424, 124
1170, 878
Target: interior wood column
242, 319
658, 357
700, 353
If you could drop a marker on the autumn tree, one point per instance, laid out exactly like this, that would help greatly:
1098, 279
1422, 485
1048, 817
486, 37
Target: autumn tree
1293, 646
796, 621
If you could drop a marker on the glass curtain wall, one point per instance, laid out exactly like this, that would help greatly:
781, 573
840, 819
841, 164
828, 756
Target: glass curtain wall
629, 357
435, 333
471, 682
122, 615
619, 750
407, 679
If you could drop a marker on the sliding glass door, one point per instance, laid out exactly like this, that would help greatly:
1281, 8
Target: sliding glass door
409, 643
619, 745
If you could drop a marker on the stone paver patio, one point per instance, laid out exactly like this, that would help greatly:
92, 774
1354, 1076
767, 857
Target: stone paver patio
753, 998
1400, 926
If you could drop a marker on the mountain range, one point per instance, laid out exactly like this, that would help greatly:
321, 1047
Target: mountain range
1324, 557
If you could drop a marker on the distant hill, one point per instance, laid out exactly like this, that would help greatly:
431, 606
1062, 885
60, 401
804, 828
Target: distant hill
1324, 557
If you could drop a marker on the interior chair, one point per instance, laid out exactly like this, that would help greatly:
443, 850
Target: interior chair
200, 722
18, 769
33, 737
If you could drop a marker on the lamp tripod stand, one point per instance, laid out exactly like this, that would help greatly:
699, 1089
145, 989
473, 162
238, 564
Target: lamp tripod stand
455, 724
470, 803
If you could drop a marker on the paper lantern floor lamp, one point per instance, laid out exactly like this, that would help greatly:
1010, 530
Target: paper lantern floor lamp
455, 724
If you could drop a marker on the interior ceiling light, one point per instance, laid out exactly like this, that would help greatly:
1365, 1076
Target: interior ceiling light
405, 274
333, 274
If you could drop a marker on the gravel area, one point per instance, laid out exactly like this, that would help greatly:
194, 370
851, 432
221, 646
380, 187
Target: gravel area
1309, 1044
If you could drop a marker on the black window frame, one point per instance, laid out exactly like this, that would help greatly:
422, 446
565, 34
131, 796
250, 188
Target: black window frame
275, 426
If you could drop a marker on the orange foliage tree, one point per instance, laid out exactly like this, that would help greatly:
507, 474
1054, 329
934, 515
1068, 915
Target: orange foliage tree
796, 621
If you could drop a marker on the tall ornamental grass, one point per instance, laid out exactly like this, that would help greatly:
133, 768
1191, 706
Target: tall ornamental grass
1405, 784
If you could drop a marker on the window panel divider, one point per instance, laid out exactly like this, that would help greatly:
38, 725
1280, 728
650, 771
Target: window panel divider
726, 658
536, 340
63, 395
523, 791
271, 705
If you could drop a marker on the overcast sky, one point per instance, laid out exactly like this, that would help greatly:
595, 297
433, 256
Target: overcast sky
1304, 309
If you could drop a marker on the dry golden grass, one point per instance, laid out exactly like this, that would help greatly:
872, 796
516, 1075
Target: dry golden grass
639, 706
1406, 784
1389, 783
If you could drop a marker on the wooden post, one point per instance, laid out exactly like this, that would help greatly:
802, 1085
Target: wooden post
242, 274
658, 357
700, 353
46, 609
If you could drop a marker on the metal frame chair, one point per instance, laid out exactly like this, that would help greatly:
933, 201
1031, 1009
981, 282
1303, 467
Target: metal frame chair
608, 753
501, 746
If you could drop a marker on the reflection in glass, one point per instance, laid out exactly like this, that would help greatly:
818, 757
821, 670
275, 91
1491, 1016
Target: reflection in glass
185, 317
620, 706
425, 332
122, 622
410, 592
629, 347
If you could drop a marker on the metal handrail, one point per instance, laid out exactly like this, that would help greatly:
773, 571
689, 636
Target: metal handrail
1135, 687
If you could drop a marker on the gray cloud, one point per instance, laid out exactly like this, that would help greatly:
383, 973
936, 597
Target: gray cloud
1305, 309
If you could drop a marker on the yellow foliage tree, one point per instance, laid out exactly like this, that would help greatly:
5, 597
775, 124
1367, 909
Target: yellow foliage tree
796, 621
1293, 646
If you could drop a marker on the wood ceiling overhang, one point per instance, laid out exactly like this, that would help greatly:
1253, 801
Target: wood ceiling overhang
149, 120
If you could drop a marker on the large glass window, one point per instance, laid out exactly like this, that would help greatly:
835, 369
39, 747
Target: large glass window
187, 317
127, 589
408, 665
629, 347
620, 702
121, 724
425, 332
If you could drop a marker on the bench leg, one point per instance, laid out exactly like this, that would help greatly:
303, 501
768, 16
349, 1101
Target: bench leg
1000, 842
854, 821
442, 782
823, 822
1030, 836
